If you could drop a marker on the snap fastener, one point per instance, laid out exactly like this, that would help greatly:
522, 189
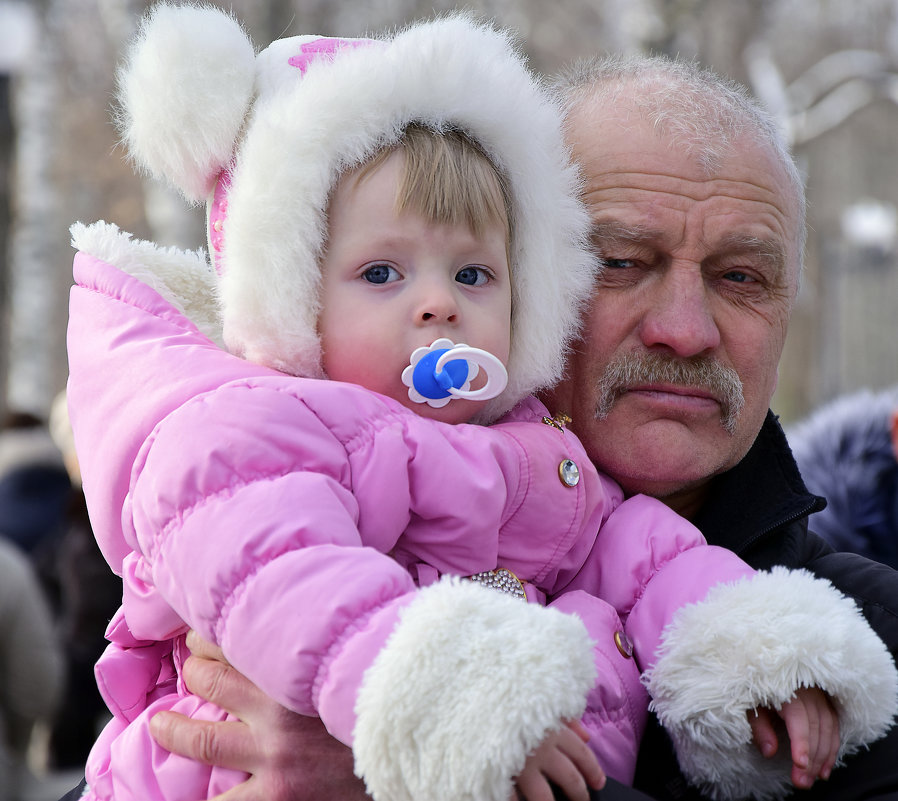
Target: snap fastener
622, 641
569, 473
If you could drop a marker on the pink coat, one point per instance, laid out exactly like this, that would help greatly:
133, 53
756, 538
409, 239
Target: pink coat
289, 519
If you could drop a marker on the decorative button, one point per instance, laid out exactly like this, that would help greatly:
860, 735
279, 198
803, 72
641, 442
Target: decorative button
501, 579
559, 421
622, 641
569, 473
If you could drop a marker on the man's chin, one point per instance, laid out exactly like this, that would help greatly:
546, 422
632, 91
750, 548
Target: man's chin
660, 455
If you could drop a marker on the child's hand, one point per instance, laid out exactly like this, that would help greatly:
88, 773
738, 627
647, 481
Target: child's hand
813, 728
564, 759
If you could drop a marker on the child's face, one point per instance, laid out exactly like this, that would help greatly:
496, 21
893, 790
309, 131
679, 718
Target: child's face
393, 282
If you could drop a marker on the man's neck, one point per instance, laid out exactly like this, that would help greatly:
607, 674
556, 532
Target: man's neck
687, 502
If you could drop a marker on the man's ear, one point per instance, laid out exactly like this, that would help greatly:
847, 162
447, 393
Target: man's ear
893, 423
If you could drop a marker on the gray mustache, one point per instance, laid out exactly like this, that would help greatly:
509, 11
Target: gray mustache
631, 370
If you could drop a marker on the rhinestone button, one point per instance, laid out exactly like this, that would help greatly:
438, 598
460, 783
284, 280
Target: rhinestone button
501, 579
622, 641
569, 473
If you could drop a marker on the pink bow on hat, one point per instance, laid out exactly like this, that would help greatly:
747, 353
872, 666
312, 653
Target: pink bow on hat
325, 46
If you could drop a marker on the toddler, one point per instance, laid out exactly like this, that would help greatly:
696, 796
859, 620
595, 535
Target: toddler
398, 216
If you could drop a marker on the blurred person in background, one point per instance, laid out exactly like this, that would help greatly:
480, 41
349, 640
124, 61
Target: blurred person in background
31, 667
847, 451
89, 595
34, 493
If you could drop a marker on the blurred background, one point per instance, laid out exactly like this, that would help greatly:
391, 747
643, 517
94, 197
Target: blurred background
827, 68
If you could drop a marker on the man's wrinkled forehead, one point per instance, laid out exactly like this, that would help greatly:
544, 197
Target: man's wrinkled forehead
605, 141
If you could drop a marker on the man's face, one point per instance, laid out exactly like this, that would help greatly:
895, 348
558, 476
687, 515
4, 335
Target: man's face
692, 307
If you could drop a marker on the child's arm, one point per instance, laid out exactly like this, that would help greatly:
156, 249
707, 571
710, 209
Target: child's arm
564, 759
813, 728
713, 645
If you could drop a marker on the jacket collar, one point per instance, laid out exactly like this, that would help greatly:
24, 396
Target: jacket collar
759, 495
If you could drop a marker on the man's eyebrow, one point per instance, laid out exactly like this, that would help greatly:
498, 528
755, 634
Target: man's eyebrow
615, 231
769, 249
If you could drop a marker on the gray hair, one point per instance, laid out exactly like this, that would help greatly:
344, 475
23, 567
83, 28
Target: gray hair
705, 112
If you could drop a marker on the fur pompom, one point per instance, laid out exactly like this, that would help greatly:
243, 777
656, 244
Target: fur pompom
752, 644
469, 683
183, 95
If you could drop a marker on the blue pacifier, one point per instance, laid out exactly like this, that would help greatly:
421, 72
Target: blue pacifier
444, 371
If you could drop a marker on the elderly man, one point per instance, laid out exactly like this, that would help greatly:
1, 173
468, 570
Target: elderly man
698, 213
699, 216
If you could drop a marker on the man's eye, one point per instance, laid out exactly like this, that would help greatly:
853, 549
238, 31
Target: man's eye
617, 264
380, 274
472, 276
738, 277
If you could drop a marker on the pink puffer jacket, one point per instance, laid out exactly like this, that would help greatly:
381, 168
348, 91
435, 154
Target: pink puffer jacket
285, 519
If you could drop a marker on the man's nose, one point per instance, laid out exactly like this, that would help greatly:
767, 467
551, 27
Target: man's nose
679, 317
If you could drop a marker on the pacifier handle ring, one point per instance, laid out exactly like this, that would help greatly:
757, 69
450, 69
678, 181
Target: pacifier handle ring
496, 374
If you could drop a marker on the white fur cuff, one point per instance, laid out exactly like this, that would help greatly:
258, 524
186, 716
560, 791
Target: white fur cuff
752, 644
469, 683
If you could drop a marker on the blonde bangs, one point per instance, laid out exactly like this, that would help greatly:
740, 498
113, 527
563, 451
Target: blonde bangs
449, 180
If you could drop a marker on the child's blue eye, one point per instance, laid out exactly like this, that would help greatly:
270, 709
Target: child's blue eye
380, 274
472, 276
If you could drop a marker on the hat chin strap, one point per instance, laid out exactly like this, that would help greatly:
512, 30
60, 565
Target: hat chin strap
437, 374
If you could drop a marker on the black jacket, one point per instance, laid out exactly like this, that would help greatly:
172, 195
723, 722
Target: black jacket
759, 510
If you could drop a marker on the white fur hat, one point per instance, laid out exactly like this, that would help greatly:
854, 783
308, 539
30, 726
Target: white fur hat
196, 101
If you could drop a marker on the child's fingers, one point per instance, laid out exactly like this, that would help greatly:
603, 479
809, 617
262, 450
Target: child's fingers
578, 728
582, 758
813, 729
565, 775
795, 716
563, 760
828, 745
763, 732
824, 726
532, 786
808, 757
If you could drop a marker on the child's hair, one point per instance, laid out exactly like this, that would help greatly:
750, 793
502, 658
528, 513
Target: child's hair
448, 179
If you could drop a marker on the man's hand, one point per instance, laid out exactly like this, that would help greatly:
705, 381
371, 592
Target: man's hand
813, 728
564, 759
290, 757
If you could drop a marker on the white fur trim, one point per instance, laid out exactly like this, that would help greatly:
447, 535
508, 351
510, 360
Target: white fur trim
304, 129
752, 644
469, 683
188, 53
184, 278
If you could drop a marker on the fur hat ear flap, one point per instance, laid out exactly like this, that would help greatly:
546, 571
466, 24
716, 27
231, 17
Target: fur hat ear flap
184, 93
